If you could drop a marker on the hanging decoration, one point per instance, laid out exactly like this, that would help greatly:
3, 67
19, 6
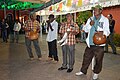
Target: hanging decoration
50, 8
60, 7
69, 3
79, 3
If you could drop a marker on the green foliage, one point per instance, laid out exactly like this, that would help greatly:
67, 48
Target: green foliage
116, 39
17, 5
83, 16
63, 18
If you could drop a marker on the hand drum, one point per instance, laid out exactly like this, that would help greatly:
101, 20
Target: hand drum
33, 35
99, 38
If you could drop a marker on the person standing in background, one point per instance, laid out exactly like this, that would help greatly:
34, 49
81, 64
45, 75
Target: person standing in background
4, 27
82, 32
17, 27
110, 37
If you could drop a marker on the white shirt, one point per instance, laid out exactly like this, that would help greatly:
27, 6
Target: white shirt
104, 28
83, 28
52, 35
17, 27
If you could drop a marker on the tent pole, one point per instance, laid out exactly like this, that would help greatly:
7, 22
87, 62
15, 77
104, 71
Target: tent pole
4, 10
75, 17
60, 18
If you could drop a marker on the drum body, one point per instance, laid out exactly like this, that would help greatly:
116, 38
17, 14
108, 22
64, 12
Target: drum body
33, 35
99, 38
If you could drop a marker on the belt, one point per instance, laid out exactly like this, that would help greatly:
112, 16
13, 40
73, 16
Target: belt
92, 45
96, 46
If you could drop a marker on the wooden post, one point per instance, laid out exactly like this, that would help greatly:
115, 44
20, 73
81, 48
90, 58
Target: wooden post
4, 10
75, 17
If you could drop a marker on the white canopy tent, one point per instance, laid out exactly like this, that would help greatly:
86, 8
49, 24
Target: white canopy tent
82, 8
85, 7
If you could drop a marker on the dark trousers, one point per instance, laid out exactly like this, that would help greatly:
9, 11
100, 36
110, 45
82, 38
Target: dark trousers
110, 42
52, 46
4, 36
29, 49
96, 51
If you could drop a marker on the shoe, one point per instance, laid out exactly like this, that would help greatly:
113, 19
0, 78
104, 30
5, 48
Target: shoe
79, 73
61, 68
114, 53
69, 70
55, 61
40, 59
31, 59
105, 51
95, 76
49, 59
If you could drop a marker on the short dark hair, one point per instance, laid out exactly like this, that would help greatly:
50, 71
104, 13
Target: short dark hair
51, 16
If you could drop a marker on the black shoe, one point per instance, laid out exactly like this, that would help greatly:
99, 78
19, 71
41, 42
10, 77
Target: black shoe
105, 51
114, 53
69, 70
61, 68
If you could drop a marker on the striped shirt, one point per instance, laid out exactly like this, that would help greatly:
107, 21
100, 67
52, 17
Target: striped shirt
74, 29
31, 25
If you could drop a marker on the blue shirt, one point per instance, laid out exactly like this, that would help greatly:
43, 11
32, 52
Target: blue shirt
93, 30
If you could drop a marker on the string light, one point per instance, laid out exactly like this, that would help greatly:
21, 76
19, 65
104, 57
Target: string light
20, 5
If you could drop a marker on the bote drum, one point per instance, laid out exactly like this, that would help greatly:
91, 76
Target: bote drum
33, 35
99, 38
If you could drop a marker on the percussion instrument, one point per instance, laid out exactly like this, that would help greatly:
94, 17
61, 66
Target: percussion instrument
99, 38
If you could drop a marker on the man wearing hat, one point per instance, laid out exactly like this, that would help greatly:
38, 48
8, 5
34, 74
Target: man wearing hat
96, 23
68, 50
52, 38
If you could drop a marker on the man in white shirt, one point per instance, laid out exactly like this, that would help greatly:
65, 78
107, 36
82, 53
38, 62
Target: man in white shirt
17, 27
52, 38
94, 24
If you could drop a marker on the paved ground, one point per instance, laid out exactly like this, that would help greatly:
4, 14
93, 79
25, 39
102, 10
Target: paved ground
14, 64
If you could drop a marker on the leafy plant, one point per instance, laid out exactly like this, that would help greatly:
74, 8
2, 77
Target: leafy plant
83, 16
116, 39
58, 18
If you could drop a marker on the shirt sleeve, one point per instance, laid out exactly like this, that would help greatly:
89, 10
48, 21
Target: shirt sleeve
62, 30
19, 27
87, 26
55, 27
106, 30
7, 25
